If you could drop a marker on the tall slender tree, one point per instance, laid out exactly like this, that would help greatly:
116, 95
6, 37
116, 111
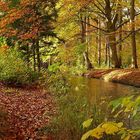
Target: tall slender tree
133, 36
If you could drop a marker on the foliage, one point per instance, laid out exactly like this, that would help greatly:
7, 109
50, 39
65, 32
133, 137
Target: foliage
107, 128
73, 108
124, 107
72, 111
129, 106
13, 70
54, 67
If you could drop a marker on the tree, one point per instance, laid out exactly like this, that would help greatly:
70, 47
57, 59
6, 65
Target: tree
29, 20
133, 36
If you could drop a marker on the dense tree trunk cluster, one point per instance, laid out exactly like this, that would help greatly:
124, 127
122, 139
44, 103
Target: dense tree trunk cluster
109, 19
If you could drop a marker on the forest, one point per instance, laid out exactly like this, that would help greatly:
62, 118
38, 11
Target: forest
69, 70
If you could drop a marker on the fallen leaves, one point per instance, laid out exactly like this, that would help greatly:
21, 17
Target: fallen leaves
26, 111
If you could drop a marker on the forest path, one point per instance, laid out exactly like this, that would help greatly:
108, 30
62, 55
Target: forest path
27, 111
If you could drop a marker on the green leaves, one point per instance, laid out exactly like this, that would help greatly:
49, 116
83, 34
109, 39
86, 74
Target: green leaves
54, 67
87, 123
128, 105
14, 3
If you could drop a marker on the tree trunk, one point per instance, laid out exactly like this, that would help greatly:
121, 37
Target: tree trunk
109, 57
28, 56
112, 45
106, 54
133, 36
87, 61
34, 55
38, 56
111, 24
84, 39
99, 43
120, 34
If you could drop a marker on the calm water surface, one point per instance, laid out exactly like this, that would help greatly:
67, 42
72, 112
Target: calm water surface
96, 89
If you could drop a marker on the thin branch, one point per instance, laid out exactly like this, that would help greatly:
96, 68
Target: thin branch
93, 26
100, 9
100, 4
120, 41
126, 22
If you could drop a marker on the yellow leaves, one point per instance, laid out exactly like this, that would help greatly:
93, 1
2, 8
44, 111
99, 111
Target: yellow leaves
97, 132
4, 49
120, 124
87, 123
87, 135
109, 128
127, 137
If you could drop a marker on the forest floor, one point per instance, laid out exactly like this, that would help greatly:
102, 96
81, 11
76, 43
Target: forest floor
123, 76
25, 111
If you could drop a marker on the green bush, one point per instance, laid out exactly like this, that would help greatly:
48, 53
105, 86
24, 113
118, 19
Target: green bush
13, 70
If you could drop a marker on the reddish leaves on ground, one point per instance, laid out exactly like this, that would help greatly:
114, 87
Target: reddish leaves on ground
123, 76
28, 110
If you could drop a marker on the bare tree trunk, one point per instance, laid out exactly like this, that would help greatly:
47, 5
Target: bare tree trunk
84, 39
38, 56
111, 33
109, 57
120, 34
87, 61
133, 36
28, 56
106, 54
34, 55
99, 42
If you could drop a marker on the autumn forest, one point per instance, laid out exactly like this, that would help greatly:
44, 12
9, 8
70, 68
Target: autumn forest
69, 69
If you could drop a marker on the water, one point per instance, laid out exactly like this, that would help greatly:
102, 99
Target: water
96, 89
87, 98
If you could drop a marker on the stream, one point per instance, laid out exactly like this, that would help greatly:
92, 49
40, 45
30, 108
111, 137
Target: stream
87, 98
96, 89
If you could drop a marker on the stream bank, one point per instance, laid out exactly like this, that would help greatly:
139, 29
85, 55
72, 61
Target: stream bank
123, 76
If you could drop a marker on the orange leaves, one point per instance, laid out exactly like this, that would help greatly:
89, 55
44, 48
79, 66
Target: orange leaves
25, 3
12, 16
3, 49
31, 34
26, 109
25, 20
4, 6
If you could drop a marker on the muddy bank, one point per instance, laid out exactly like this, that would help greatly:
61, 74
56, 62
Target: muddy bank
123, 76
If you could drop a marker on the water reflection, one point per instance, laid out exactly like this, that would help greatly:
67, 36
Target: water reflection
97, 90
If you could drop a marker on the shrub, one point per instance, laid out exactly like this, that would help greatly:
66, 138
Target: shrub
13, 70
125, 109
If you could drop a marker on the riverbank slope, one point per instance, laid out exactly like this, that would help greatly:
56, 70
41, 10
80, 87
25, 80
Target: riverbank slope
123, 76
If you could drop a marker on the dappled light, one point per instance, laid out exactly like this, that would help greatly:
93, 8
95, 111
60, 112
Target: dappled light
115, 75
69, 70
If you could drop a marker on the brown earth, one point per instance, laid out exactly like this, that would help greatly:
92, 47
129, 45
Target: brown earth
26, 111
123, 76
